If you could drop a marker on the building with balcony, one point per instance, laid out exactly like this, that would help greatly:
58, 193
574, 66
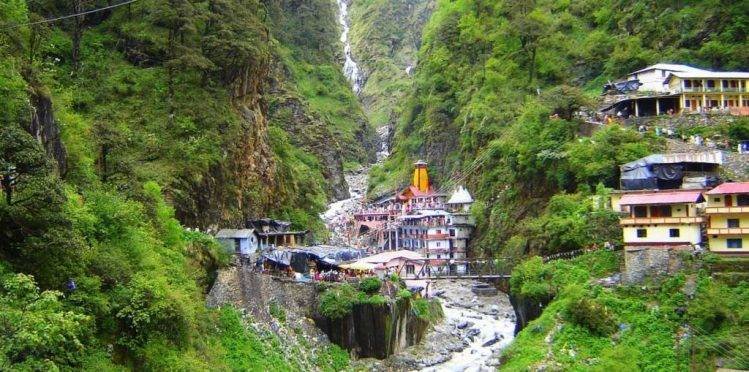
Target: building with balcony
662, 219
728, 218
671, 88
656, 226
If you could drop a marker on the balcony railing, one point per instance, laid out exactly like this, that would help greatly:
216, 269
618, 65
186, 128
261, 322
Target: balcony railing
728, 231
710, 90
726, 210
660, 220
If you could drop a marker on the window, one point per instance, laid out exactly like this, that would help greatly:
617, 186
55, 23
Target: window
410, 269
687, 103
452, 232
716, 200
674, 233
687, 83
742, 200
734, 243
660, 211
711, 83
733, 223
641, 211
642, 233
438, 244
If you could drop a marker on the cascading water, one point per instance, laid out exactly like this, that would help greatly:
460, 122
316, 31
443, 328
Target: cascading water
350, 69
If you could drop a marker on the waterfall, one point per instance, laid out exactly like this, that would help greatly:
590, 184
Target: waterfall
350, 69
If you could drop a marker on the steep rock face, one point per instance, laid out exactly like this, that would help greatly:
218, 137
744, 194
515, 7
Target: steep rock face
241, 187
46, 130
375, 331
310, 133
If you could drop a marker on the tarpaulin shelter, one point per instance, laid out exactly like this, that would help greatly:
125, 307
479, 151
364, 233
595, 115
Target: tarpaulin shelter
324, 257
667, 171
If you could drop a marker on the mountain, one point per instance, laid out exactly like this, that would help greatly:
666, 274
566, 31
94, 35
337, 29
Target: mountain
126, 123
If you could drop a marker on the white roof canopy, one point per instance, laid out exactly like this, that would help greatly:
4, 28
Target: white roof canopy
460, 196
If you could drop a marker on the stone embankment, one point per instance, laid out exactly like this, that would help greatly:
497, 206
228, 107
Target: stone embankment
274, 306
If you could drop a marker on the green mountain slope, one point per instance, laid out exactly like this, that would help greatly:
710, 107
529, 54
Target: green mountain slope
119, 128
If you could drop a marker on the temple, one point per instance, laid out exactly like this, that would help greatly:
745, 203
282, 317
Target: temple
419, 218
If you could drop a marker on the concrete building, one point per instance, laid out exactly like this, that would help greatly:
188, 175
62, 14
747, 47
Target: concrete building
728, 218
670, 88
662, 219
240, 241
656, 227
651, 78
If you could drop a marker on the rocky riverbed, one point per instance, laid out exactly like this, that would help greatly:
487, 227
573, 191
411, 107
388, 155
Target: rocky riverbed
471, 336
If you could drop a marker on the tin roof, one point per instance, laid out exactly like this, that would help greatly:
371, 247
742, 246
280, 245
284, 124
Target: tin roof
385, 257
730, 188
669, 67
671, 197
234, 233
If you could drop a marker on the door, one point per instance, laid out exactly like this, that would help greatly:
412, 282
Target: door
728, 201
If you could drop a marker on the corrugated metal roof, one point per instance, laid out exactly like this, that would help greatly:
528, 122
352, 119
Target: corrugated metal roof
234, 233
672, 197
669, 67
730, 188
389, 256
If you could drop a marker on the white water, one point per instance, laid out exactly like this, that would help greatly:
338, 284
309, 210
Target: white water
476, 357
350, 68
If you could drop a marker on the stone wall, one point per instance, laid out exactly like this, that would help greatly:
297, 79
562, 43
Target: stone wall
643, 262
254, 292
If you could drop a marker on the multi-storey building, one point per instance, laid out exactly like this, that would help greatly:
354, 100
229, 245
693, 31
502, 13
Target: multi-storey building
671, 88
728, 218
667, 219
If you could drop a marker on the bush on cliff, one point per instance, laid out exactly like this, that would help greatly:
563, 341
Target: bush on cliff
337, 302
370, 285
591, 314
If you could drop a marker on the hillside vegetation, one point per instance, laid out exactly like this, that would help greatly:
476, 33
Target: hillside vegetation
689, 321
120, 127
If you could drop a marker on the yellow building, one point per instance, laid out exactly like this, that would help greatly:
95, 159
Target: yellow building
728, 214
668, 219
709, 89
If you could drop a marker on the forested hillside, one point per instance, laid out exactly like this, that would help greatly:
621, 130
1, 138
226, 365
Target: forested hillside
121, 126
385, 38
490, 79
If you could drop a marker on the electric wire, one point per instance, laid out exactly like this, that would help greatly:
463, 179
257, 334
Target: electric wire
50, 20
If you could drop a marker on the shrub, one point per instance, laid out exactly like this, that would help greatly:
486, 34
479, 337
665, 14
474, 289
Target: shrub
591, 314
429, 310
370, 285
403, 294
337, 302
277, 311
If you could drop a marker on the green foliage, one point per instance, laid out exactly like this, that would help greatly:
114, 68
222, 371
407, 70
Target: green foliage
277, 311
245, 350
39, 333
529, 279
338, 301
370, 285
599, 328
332, 358
427, 309
404, 294
591, 314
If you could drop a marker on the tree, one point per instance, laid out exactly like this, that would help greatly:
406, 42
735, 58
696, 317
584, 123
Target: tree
22, 161
37, 332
